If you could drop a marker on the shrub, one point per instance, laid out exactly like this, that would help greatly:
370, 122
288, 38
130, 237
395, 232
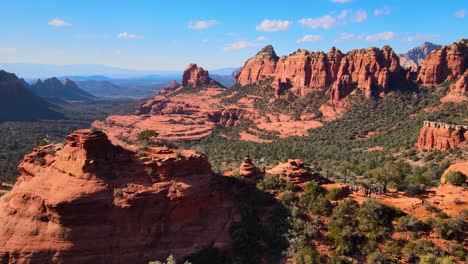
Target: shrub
456, 178
146, 135
335, 193
408, 223
451, 229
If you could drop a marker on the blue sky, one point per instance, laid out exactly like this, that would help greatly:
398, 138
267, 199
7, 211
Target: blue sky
167, 35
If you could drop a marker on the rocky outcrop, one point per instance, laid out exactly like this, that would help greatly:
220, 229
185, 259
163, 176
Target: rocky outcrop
171, 87
445, 64
248, 169
258, 68
461, 86
89, 201
295, 171
197, 77
439, 136
304, 71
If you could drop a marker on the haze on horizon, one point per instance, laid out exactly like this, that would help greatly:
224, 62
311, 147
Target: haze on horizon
163, 36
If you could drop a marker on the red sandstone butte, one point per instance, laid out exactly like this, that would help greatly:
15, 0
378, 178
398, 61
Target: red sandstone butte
304, 71
196, 77
89, 201
444, 65
439, 136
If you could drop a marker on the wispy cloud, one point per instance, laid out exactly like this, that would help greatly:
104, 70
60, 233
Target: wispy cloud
232, 34
239, 45
419, 37
360, 16
274, 25
334, 20
261, 38
382, 11
126, 35
341, 1
202, 24
461, 13
59, 23
325, 22
381, 36
310, 38
349, 36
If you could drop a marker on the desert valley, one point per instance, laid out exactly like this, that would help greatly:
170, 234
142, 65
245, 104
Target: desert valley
357, 156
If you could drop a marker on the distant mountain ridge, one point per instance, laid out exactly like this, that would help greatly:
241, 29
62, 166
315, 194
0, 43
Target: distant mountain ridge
19, 103
54, 88
415, 57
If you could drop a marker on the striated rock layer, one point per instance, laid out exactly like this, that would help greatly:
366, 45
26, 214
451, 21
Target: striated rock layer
461, 86
445, 64
89, 201
438, 136
304, 71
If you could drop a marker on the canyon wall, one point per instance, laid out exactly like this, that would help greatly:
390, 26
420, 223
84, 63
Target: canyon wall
439, 136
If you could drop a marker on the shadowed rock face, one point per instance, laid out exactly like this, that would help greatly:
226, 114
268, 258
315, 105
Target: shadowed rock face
89, 201
445, 64
416, 56
196, 76
437, 136
304, 71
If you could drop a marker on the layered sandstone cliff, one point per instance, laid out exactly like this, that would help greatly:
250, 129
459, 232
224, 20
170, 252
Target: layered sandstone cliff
197, 77
445, 64
439, 136
89, 201
304, 71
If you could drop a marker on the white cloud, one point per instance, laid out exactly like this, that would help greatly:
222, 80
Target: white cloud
7, 50
325, 22
419, 37
461, 13
202, 24
274, 25
58, 23
382, 11
126, 35
310, 38
360, 16
350, 36
381, 36
240, 45
261, 38
341, 1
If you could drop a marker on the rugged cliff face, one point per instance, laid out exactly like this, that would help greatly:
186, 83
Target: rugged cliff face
445, 64
304, 71
89, 201
438, 136
197, 77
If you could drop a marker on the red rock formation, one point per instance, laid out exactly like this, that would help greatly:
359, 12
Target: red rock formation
195, 76
91, 202
248, 169
446, 64
438, 136
259, 67
303, 71
295, 171
341, 88
461, 86
170, 87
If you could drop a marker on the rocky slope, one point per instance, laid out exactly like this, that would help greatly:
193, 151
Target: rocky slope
416, 56
18, 103
89, 201
445, 64
438, 136
304, 71
54, 88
